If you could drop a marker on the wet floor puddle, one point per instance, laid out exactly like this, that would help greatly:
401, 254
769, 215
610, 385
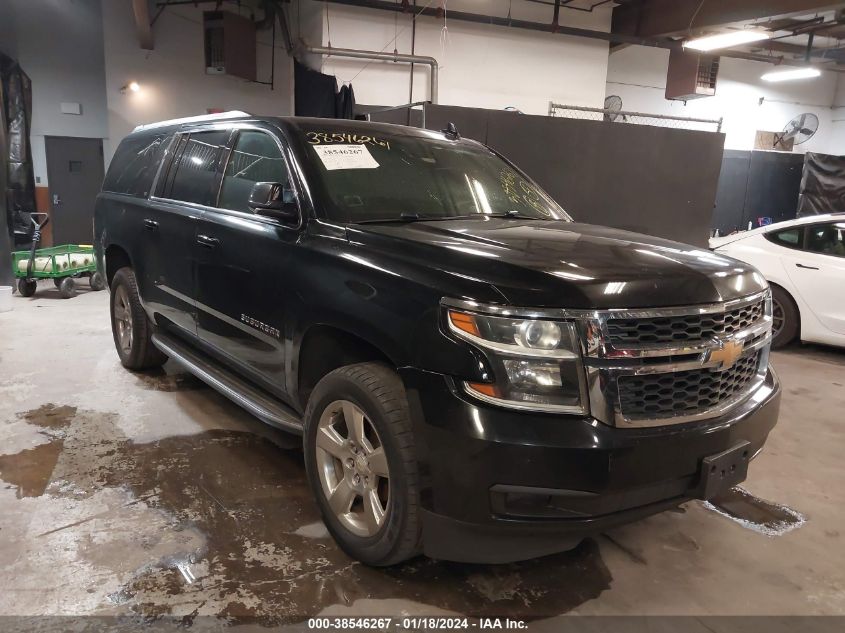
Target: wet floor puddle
765, 517
264, 553
30, 470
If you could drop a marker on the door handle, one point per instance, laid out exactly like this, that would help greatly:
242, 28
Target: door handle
807, 267
208, 242
150, 225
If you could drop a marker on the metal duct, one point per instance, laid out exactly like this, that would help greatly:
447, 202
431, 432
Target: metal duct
382, 56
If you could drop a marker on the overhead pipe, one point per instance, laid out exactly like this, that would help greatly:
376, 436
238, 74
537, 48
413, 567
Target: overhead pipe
382, 56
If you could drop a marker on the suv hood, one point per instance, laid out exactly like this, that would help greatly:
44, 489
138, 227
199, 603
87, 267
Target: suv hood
565, 264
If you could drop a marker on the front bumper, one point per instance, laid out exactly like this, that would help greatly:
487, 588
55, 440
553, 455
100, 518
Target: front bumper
501, 485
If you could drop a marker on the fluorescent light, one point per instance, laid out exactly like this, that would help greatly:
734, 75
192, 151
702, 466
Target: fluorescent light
726, 40
791, 73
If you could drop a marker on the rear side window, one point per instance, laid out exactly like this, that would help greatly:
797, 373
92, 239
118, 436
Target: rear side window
255, 158
135, 164
194, 178
791, 238
827, 239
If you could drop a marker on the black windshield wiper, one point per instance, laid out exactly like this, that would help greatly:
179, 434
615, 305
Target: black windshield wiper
403, 217
513, 213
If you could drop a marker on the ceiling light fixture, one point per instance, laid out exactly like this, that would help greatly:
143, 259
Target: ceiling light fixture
792, 73
726, 40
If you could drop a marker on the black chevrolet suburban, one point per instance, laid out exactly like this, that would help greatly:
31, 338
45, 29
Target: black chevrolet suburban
475, 376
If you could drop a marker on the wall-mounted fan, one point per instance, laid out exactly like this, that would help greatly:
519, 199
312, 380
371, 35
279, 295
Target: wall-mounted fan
612, 106
799, 130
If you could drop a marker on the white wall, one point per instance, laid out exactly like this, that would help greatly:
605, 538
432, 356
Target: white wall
59, 44
638, 75
172, 76
836, 139
480, 65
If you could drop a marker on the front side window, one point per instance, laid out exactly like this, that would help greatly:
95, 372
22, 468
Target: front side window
395, 176
791, 238
827, 239
255, 158
195, 175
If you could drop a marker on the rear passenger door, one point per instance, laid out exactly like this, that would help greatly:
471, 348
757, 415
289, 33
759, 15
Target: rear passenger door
122, 206
186, 186
818, 272
244, 265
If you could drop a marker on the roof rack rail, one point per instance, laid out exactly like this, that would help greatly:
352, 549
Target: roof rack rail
231, 114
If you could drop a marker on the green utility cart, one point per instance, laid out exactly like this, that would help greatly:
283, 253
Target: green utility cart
63, 264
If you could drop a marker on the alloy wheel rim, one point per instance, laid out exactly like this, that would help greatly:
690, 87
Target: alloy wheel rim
778, 317
123, 319
352, 468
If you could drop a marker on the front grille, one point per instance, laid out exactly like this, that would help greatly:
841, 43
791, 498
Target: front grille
690, 329
684, 392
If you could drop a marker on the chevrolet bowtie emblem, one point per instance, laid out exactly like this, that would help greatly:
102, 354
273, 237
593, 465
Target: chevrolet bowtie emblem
727, 354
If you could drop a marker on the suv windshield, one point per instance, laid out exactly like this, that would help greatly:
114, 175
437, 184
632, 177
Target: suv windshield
403, 177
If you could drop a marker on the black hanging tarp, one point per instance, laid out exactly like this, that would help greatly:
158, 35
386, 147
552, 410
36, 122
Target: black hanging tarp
822, 185
315, 94
345, 103
17, 184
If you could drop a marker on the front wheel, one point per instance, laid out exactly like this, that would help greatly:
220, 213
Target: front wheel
27, 287
361, 463
131, 329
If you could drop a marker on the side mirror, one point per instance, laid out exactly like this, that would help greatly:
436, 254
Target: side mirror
274, 200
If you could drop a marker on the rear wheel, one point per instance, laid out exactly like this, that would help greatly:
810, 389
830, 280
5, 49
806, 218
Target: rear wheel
131, 329
67, 288
786, 321
361, 463
96, 281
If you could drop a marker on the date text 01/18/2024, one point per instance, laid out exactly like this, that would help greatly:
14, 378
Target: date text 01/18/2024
421, 623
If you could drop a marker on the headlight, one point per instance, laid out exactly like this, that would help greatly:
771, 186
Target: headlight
536, 363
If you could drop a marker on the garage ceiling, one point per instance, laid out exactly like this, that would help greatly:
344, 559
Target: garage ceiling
794, 24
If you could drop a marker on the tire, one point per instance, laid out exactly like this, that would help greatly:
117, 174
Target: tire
787, 320
131, 329
96, 281
27, 287
377, 392
57, 281
67, 288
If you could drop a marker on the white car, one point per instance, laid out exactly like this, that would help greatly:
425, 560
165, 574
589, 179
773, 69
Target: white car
804, 262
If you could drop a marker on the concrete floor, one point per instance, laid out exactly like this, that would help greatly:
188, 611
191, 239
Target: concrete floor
150, 494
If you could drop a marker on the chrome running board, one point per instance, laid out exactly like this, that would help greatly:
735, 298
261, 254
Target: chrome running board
259, 403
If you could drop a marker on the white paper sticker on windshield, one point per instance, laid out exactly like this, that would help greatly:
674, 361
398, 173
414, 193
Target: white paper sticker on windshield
345, 156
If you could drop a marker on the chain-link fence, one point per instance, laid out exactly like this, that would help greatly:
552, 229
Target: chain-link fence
634, 118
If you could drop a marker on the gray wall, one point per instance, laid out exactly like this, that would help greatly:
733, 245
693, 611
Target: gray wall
653, 180
59, 44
